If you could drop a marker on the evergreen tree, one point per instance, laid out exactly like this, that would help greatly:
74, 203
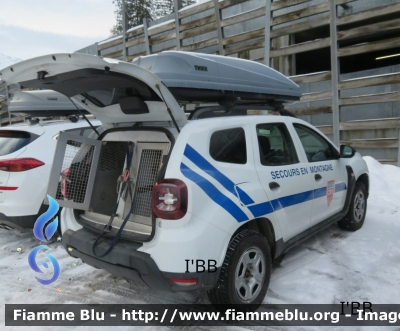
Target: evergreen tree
162, 8
136, 11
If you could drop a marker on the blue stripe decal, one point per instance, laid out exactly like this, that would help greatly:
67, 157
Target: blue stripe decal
291, 200
321, 192
207, 167
214, 194
261, 209
257, 210
340, 187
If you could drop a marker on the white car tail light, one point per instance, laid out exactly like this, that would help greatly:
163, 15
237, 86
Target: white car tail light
18, 165
8, 188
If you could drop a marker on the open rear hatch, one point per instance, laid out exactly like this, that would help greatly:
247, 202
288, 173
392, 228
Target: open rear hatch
88, 173
114, 91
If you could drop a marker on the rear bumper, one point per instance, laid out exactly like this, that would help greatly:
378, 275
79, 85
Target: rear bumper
21, 221
26, 201
127, 262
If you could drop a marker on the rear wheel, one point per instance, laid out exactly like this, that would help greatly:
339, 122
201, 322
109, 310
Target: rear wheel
355, 217
59, 223
246, 271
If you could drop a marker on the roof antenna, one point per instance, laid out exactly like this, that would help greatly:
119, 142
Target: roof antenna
83, 115
169, 110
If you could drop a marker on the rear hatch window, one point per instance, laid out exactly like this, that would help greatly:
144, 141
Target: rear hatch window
12, 141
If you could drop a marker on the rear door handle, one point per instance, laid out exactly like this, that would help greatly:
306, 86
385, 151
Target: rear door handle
318, 177
273, 185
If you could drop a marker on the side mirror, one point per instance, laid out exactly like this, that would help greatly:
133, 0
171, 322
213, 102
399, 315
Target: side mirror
347, 151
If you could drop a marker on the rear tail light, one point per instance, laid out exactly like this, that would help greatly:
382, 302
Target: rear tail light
8, 188
184, 282
170, 199
64, 182
18, 165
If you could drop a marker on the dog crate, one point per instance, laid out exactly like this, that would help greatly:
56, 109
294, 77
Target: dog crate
86, 175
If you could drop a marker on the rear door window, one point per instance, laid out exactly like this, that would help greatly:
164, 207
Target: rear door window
275, 145
12, 141
229, 146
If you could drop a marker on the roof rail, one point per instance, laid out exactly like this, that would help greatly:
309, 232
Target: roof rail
237, 110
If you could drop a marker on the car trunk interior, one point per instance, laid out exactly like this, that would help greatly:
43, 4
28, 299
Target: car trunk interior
150, 152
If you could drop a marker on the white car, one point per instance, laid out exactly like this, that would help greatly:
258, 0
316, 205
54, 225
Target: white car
199, 204
26, 157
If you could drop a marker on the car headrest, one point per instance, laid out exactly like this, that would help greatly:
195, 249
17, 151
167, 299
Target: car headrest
264, 143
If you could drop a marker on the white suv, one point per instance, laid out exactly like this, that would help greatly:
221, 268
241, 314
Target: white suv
26, 157
205, 203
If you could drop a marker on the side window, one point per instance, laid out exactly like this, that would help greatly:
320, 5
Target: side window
229, 146
316, 147
87, 132
74, 131
275, 145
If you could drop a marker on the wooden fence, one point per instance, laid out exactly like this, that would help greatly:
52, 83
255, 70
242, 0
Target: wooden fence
280, 20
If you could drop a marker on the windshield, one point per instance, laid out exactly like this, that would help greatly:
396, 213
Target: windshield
12, 141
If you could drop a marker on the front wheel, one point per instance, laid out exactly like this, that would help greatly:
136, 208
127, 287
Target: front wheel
355, 217
246, 271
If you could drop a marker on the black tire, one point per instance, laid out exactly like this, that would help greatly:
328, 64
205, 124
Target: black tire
246, 243
59, 223
355, 217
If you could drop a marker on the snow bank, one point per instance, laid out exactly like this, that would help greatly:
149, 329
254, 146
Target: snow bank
384, 182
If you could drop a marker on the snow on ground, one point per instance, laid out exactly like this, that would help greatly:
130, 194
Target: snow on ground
333, 266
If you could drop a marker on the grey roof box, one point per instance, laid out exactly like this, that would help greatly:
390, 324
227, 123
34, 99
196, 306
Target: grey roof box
203, 77
43, 103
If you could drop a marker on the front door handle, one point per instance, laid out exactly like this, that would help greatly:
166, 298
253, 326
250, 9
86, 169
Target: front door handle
318, 177
273, 185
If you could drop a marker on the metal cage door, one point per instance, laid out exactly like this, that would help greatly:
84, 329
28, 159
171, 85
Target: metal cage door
74, 169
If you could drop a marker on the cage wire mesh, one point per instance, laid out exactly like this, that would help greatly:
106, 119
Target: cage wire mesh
111, 159
75, 171
146, 178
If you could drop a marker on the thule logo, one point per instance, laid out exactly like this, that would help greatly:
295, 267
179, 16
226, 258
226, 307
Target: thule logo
200, 68
52, 99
